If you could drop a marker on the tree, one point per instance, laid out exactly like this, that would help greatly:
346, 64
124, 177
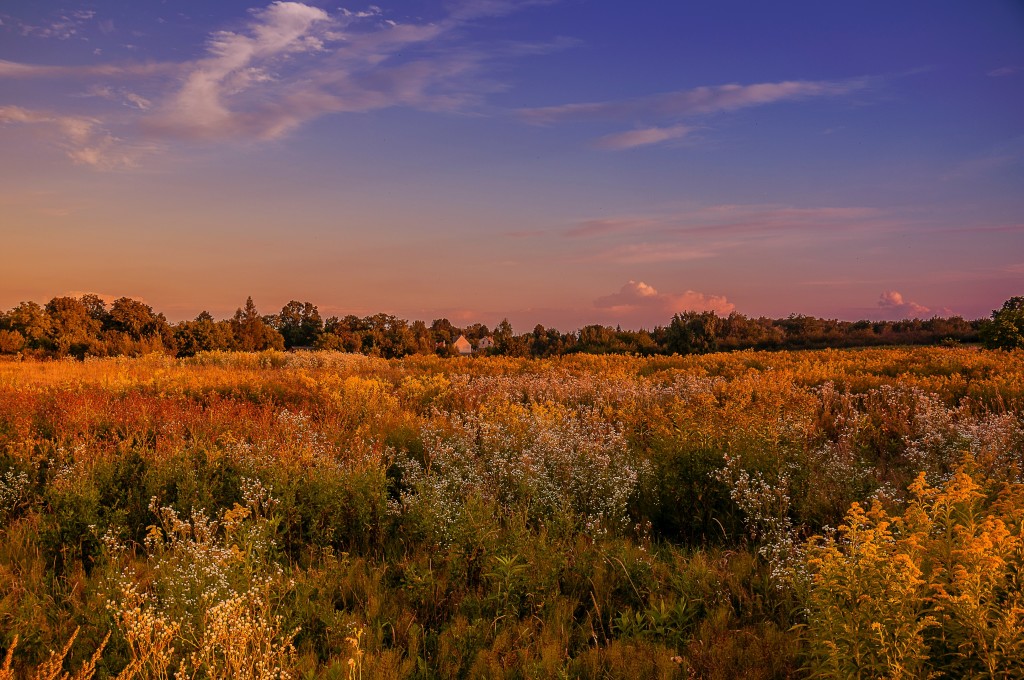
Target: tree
423, 339
72, 330
300, 324
342, 335
11, 341
31, 322
506, 342
202, 335
135, 319
1006, 329
693, 333
252, 334
95, 306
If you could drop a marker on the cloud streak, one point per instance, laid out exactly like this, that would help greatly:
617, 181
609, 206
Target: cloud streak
700, 100
83, 139
643, 137
702, 232
673, 106
731, 219
13, 69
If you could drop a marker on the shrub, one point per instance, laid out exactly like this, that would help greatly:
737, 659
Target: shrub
934, 590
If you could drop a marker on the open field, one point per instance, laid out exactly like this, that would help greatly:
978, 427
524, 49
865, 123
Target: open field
336, 515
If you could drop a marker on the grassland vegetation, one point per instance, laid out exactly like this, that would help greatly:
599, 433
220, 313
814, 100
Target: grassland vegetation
834, 513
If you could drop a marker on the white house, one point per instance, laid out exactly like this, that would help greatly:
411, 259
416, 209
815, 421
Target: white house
485, 343
462, 346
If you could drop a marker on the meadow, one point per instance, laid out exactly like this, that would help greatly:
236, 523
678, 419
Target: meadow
834, 513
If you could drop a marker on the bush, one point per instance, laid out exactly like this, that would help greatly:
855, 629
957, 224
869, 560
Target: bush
933, 591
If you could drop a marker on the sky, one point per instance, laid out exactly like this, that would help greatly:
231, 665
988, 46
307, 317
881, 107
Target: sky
563, 162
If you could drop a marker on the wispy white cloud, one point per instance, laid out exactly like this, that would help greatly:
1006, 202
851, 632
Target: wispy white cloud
13, 69
84, 140
700, 100
237, 63
643, 137
1005, 154
652, 252
62, 26
292, 62
120, 95
1005, 71
668, 108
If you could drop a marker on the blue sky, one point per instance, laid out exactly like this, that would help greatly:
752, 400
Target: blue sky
556, 162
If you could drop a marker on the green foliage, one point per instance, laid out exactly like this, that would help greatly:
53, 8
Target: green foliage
693, 333
1006, 329
84, 327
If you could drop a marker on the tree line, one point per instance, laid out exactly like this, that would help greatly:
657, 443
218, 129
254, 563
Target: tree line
87, 326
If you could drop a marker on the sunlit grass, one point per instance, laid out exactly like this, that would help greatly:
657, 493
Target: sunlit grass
252, 515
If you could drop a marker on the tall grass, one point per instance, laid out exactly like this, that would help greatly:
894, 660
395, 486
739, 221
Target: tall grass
329, 515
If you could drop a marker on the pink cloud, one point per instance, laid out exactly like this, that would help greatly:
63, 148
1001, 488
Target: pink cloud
639, 303
892, 304
644, 137
652, 252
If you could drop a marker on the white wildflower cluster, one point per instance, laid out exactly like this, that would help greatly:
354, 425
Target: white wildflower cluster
69, 467
149, 633
190, 558
303, 440
836, 463
209, 610
14, 493
765, 508
539, 462
200, 558
940, 437
257, 497
247, 454
693, 387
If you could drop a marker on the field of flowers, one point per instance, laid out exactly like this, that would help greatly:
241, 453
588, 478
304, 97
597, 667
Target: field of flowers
855, 513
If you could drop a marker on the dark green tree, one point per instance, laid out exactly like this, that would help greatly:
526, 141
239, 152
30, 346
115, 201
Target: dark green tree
693, 333
202, 335
1006, 328
300, 324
